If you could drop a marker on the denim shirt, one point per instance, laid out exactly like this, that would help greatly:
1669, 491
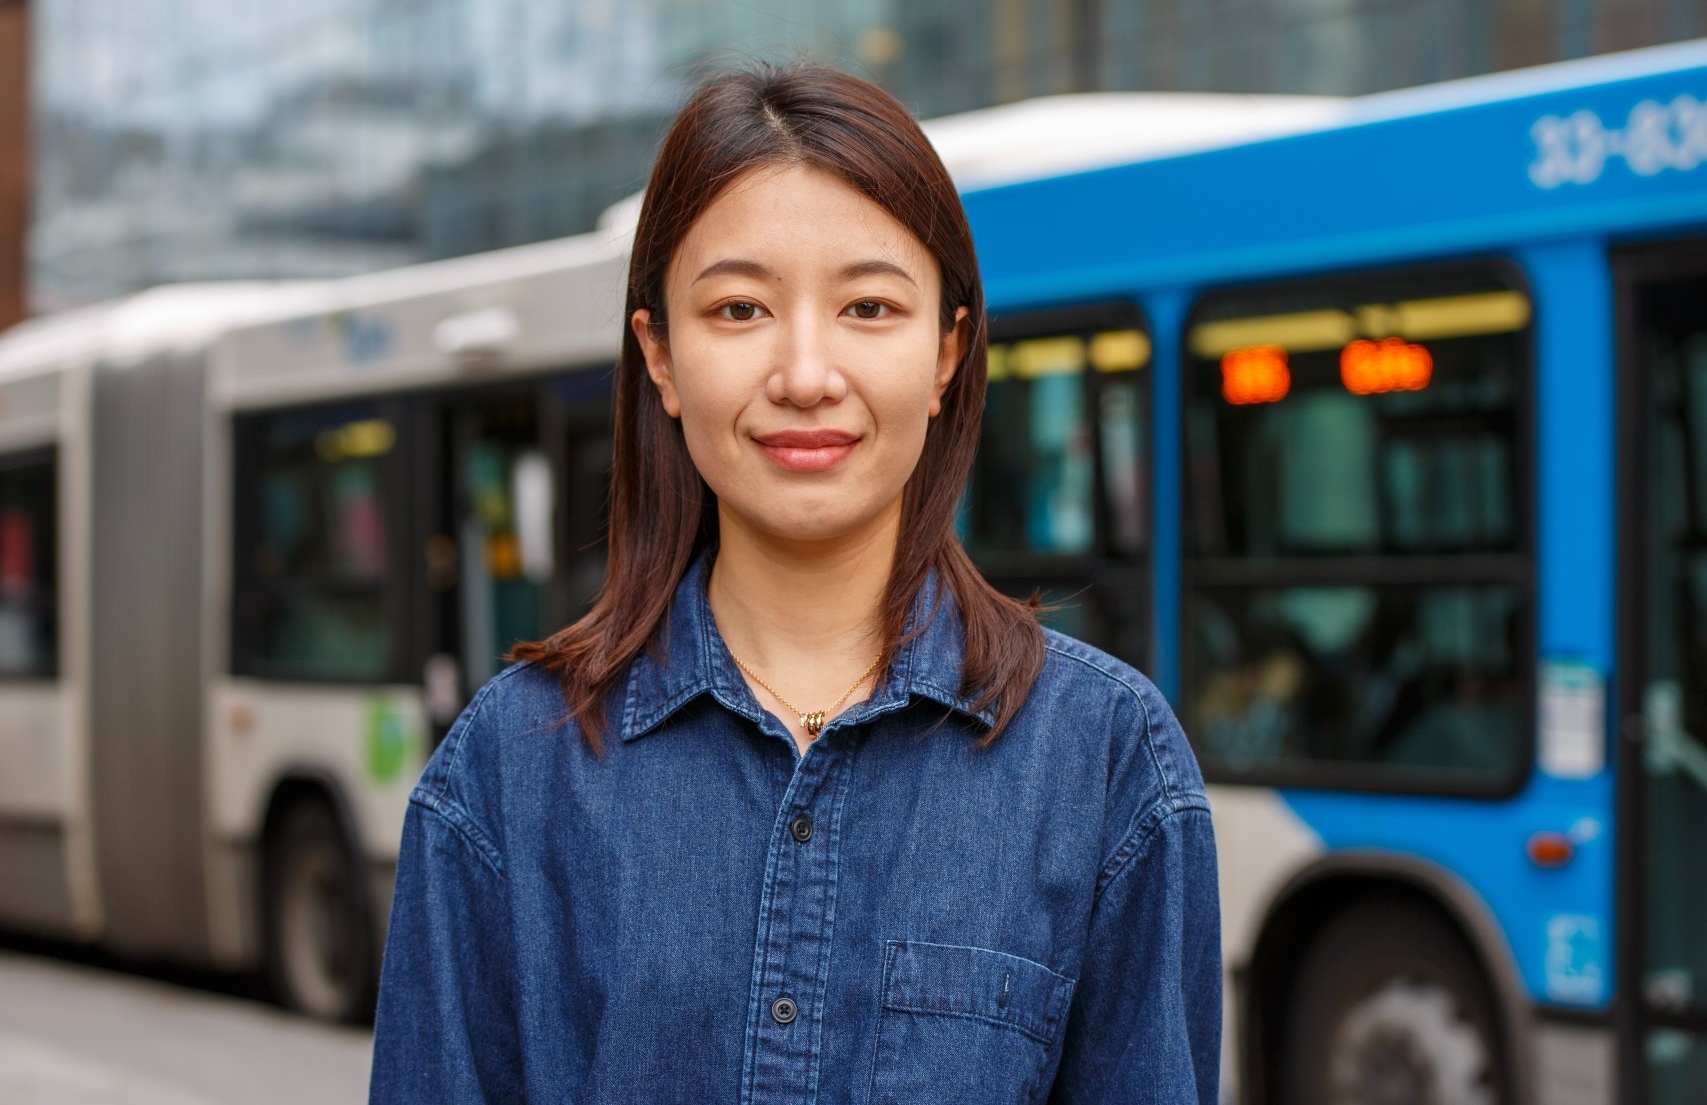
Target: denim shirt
897, 917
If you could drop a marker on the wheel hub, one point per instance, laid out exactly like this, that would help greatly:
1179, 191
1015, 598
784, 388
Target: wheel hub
1409, 1043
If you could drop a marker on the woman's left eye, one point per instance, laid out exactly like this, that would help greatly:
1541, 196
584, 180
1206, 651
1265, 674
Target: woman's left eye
869, 308
740, 311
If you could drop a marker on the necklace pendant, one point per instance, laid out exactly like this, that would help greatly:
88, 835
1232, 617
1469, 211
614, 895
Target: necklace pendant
813, 722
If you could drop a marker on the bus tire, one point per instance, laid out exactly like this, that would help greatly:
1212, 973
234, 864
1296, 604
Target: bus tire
320, 951
1390, 1006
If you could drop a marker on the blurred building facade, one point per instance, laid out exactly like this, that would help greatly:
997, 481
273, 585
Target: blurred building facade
198, 139
14, 158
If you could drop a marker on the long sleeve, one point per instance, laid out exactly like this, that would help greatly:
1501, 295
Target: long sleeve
446, 1026
1145, 1025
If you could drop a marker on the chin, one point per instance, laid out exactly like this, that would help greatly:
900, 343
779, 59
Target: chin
812, 521
815, 527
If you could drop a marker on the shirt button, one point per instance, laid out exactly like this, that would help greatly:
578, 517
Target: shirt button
784, 1010
801, 828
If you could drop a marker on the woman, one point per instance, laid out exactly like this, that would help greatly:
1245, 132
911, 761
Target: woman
826, 818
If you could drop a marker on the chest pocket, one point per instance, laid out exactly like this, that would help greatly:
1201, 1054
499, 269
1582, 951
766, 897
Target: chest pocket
965, 1026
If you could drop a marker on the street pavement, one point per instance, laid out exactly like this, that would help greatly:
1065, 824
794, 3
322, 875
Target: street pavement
78, 1035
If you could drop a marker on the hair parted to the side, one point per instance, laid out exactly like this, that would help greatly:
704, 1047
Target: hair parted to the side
662, 514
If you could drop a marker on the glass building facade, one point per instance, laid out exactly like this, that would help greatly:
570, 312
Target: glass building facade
204, 139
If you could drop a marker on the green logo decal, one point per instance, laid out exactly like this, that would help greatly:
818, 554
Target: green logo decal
390, 739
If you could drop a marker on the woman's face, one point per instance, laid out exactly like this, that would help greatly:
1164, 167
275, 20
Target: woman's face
804, 356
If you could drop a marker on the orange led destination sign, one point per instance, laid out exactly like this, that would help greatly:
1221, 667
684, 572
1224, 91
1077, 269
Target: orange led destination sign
1255, 374
1391, 364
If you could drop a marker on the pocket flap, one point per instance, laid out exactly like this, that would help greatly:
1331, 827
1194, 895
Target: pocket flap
975, 982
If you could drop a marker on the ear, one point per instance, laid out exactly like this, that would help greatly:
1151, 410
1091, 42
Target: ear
657, 354
948, 356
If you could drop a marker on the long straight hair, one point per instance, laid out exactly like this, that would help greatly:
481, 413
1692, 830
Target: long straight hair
662, 514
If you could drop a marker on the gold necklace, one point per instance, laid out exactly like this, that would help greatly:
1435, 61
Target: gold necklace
810, 720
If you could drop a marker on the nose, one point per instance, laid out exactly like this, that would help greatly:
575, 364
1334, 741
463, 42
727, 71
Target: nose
805, 373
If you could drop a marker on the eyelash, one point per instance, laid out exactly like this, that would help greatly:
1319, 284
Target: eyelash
884, 310
724, 311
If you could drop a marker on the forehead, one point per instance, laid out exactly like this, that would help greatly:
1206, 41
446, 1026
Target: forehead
798, 216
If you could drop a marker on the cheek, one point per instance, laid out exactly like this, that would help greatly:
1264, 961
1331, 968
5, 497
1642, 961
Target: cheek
712, 400
906, 377
710, 391
903, 412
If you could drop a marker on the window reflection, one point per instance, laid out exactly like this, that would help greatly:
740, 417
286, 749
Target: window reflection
28, 623
1358, 593
1121, 431
1058, 500
505, 501
1035, 494
319, 555
1382, 675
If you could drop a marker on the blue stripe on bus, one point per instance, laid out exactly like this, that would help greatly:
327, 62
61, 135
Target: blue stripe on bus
1166, 313
1572, 288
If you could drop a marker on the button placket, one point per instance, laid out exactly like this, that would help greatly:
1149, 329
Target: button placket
791, 958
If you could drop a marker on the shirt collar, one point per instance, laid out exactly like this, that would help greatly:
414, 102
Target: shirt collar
690, 660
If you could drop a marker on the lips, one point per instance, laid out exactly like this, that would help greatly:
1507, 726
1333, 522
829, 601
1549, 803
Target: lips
806, 450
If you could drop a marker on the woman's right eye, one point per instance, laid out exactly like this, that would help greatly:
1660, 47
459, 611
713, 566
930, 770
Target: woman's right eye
739, 311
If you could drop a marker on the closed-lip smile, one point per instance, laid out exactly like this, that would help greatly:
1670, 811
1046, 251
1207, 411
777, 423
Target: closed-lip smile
806, 450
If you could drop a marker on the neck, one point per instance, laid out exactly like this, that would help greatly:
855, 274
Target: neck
806, 615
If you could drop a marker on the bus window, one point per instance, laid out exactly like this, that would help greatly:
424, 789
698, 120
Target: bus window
28, 633
1057, 499
315, 565
1358, 608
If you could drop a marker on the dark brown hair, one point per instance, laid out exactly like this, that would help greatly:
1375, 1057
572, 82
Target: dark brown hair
662, 514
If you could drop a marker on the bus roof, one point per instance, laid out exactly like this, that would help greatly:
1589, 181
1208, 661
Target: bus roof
167, 318
1599, 147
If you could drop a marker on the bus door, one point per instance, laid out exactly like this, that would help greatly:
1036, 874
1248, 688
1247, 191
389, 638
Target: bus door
512, 501
1663, 671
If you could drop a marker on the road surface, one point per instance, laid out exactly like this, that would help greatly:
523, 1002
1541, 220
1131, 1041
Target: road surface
78, 1035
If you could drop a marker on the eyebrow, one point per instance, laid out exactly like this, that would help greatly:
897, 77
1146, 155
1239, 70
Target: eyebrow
877, 268
736, 266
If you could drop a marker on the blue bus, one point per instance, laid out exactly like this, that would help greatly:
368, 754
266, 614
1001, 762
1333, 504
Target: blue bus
1383, 447
1374, 429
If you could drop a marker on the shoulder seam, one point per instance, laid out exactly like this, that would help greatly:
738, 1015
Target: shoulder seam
1138, 838
437, 799
472, 712
463, 825
1149, 727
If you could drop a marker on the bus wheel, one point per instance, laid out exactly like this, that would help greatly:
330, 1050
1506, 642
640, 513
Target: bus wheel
320, 956
1389, 1008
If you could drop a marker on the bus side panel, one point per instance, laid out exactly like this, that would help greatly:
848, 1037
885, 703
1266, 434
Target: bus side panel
364, 746
34, 805
366, 741
1260, 846
146, 649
